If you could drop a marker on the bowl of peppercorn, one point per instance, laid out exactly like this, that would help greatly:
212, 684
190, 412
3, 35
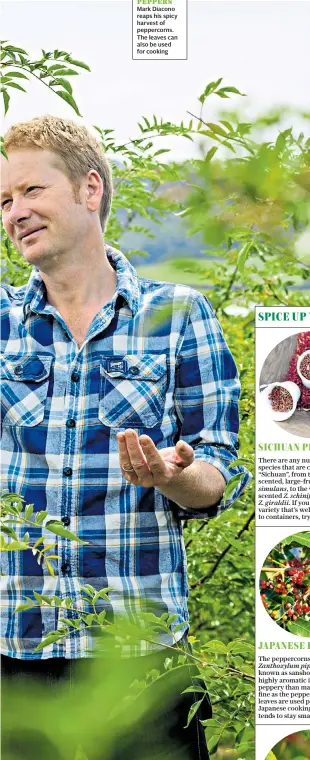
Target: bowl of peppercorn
303, 368
280, 399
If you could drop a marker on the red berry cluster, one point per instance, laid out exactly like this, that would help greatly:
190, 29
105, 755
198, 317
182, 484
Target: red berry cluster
287, 597
303, 344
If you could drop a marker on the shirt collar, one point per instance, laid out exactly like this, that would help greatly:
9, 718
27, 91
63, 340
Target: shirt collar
127, 285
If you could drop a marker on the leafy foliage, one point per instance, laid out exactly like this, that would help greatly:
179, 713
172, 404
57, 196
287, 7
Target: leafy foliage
15, 517
52, 69
246, 197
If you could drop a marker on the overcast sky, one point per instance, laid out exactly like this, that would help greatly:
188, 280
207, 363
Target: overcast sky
259, 47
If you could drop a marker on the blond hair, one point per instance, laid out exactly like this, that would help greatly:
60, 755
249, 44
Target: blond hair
78, 150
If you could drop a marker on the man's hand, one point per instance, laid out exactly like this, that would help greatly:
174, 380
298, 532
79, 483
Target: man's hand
144, 465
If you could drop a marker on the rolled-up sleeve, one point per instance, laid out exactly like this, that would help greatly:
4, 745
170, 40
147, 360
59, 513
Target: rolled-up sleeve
206, 398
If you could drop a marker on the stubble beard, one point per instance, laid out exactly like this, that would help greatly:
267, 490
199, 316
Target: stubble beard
45, 259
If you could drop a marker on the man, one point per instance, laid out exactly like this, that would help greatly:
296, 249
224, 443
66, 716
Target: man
119, 401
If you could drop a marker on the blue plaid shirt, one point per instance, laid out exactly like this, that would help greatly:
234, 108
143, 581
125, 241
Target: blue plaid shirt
154, 359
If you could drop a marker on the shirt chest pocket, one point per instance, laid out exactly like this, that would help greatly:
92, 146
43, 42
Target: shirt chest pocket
24, 386
132, 390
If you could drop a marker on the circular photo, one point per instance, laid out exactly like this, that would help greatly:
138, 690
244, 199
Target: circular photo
292, 747
285, 584
284, 384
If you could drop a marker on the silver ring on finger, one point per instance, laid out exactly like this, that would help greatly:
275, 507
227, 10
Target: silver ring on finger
128, 469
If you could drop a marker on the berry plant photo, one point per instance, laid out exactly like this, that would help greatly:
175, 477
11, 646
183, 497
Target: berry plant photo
293, 747
285, 584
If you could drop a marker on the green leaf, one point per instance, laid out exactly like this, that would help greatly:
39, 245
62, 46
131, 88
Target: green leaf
231, 485
89, 619
224, 90
15, 49
46, 599
227, 125
3, 151
241, 460
71, 622
211, 87
79, 63
208, 133
57, 527
211, 153
246, 747
217, 129
103, 594
6, 100
216, 645
16, 546
243, 254
16, 74
228, 145
300, 627
213, 742
11, 498
49, 567
89, 590
178, 627
168, 619
16, 86
192, 712
40, 516
69, 99
163, 150
211, 723
63, 83
37, 543
56, 67
50, 639
28, 511
194, 690
9, 531
37, 596
65, 72
56, 600
47, 548
303, 539
4, 80
22, 607
271, 756
240, 646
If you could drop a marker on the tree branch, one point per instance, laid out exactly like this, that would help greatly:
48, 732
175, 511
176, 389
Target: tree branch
227, 291
222, 555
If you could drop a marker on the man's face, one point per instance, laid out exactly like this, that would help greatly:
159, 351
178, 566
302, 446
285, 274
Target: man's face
40, 214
